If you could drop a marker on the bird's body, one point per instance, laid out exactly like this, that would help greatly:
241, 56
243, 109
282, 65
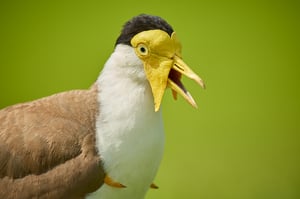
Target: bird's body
107, 139
133, 152
47, 144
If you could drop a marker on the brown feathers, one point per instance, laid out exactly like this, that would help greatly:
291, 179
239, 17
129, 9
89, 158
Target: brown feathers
47, 147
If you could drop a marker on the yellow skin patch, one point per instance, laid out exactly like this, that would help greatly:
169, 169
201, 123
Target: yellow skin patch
160, 53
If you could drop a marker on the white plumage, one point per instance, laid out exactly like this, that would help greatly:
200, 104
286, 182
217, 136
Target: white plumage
134, 127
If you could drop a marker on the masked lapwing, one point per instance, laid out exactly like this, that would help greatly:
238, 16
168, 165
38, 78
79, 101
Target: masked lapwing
108, 138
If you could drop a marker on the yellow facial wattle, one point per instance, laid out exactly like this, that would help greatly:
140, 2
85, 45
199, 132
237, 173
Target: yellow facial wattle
160, 54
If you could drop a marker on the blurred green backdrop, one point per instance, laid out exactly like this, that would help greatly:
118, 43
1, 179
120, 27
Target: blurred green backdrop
242, 142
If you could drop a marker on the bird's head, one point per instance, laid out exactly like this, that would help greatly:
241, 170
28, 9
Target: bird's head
158, 47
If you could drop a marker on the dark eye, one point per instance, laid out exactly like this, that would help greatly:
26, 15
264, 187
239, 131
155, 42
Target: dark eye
142, 49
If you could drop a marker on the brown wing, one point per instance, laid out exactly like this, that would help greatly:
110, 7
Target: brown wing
47, 147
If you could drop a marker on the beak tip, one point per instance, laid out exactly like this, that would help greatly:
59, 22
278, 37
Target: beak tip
203, 85
191, 100
201, 82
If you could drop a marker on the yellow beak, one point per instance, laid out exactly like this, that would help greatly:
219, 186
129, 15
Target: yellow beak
180, 68
163, 65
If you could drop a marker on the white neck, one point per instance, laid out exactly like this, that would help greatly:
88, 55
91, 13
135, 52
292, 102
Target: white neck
129, 133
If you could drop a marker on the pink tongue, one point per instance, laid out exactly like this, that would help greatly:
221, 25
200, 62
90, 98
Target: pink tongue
175, 77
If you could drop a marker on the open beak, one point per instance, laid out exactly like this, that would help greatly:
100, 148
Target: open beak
168, 73
163, 65
178, 69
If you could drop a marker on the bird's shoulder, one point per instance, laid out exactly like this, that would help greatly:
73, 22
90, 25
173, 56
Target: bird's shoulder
37, 136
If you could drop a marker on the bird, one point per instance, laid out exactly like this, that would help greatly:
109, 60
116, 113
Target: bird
106, 140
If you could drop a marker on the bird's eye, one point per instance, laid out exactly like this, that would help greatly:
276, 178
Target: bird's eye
142, 49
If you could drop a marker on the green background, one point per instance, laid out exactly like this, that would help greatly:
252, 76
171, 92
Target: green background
242, 142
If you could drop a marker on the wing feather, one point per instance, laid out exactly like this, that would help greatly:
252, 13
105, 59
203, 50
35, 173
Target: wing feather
43, 144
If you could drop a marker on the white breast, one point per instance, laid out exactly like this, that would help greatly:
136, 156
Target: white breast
130, 134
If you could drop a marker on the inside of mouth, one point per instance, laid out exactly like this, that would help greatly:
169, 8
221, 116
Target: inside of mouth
175, 76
